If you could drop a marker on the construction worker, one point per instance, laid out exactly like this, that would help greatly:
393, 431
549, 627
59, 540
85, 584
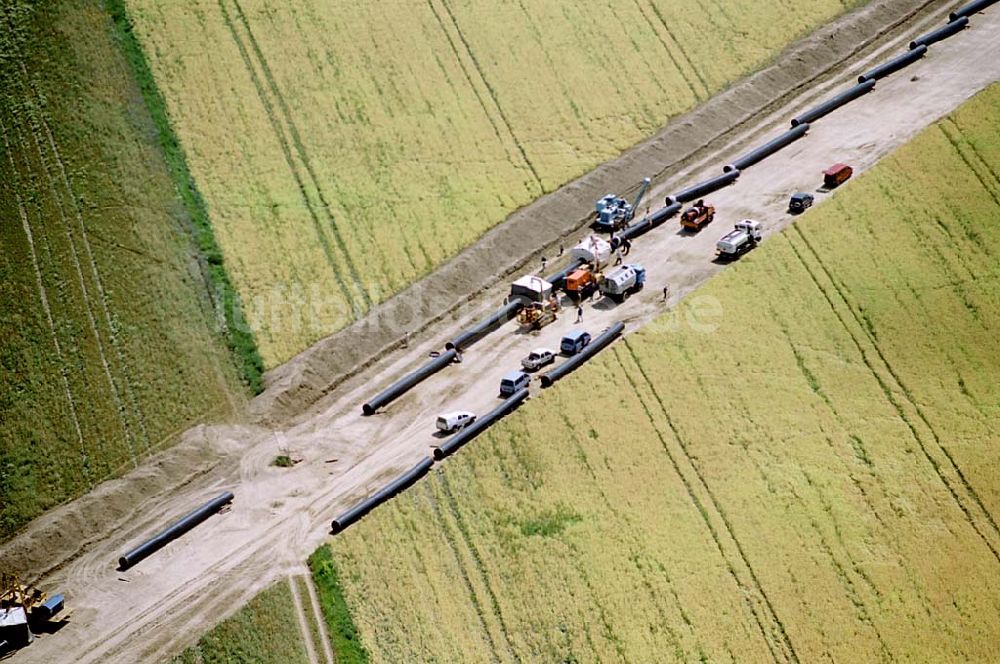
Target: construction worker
544, 262
626, 246
666, 293
618, 256
560, 248
579, 314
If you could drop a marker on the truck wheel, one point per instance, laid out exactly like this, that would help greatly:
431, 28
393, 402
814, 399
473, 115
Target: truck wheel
626, 295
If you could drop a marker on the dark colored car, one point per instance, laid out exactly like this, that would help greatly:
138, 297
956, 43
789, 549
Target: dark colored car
800, 202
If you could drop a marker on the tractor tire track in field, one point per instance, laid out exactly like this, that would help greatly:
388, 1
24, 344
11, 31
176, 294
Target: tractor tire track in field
634, 554
971, 157
74, 255
110, 321
318, 619
300, 617
481, 75
701, 92
480, 567
43, 297
772, 628
470, 589
293, 131
940, 466
350, 285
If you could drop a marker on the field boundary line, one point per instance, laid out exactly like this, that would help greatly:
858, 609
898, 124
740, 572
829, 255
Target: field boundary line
293, 132
449, 537
936, 464
300, 617
782, 643
110, 319
43, 296
489, 87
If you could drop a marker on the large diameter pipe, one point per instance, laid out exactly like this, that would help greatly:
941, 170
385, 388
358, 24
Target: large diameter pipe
174, 530
592, 349
769, 148
954, 27
894, 65
650, 222
829, 106
485, 326
394, 488
481, 423
406, 383
708, 186
970, 9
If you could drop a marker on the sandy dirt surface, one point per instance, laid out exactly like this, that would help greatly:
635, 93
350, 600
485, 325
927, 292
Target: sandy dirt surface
281, 515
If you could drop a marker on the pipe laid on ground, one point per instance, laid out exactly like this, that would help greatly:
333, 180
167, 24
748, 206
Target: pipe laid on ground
397, 486
827, 107
650, 222
954, 27
592, 349
174, 530
970, 9
481, 423
706, 187
893, 65
485, 326
404, 384
759, 154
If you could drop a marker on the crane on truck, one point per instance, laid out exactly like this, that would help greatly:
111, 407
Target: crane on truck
698, 215
23, 608
614, 212
744, 237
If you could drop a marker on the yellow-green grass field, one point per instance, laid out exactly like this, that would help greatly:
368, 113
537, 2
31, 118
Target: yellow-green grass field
344, 149
815, 480
108, 342
265, 630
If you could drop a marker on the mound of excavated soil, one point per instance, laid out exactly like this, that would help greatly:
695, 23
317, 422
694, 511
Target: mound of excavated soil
537, 228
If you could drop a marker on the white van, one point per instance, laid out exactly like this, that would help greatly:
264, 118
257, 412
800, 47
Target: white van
459, 419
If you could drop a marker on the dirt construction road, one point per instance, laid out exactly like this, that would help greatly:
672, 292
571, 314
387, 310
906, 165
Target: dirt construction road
281, 515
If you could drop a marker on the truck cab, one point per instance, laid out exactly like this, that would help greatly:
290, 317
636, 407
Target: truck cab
449, 422
574, 342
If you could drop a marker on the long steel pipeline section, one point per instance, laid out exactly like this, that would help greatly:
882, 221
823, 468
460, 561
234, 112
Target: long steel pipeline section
393, 488
174, 530
481, 423
592, 349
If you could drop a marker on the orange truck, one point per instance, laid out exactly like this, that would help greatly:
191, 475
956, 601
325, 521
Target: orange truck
581, 283
698, 215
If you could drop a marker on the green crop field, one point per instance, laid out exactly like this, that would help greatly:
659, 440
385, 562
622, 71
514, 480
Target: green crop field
264, 631
814, 480
108, 342
344, 149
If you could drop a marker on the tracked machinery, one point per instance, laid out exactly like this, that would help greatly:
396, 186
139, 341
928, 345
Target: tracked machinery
24, 610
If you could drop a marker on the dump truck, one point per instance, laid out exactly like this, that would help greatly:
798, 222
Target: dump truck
23, 608
614, 212
531, 289
698, 215
622, 281
744, 237
537, 315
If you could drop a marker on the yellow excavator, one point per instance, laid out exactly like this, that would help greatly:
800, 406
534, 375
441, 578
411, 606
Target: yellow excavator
23, 607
